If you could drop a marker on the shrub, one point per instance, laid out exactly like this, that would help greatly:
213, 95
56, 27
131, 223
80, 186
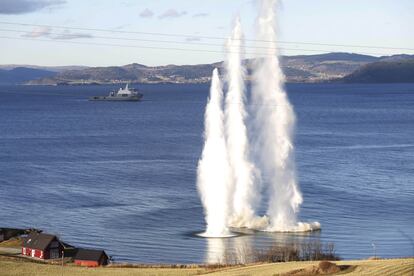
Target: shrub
309, 251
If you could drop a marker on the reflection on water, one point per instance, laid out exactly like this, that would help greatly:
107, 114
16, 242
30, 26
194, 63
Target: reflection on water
241, 249
234, 250
216, 250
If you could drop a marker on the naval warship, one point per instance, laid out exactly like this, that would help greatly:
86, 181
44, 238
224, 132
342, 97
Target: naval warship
126, 94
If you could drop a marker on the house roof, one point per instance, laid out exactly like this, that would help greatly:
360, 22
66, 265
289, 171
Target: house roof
38, 240
89, 254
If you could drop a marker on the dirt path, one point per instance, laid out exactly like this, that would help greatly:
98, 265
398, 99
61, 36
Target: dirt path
10, 250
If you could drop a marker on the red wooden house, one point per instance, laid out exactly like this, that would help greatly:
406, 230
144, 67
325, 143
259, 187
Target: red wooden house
42, 246
90, 257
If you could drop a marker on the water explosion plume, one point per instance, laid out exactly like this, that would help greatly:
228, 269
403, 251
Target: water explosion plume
274, 126
213, 175
226, 179
244, 190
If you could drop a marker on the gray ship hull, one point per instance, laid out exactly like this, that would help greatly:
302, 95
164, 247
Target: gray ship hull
134, 98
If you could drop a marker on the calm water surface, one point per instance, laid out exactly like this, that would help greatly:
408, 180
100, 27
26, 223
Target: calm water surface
121, 176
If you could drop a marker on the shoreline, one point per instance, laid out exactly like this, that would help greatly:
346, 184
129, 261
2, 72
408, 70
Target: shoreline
13, 263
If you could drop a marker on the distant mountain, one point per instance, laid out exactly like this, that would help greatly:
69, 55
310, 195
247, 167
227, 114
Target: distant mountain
396, 58
21, 75
334, 57
383, 72
133, 73
323, 67
47, 68
301, 68
312, 68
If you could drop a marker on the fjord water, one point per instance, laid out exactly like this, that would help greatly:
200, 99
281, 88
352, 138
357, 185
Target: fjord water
121, 176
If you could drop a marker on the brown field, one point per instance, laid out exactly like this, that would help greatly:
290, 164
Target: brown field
10, 266
389, 267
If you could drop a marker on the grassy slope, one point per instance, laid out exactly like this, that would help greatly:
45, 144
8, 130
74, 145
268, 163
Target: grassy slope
15, 243
15, 268
390, 267
363, 267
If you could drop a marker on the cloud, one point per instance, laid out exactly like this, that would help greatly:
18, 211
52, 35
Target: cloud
201, 14
26, 6
69, 35
38, 32
128, 4
192, 38
172, 13
47, 32
146, 13
120, 27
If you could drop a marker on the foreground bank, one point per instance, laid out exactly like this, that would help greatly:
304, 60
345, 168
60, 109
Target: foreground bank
13, 267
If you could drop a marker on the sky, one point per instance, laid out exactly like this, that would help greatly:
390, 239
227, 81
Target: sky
160, 32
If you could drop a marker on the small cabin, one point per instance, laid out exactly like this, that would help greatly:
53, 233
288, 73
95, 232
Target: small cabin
91, 257
42, 246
